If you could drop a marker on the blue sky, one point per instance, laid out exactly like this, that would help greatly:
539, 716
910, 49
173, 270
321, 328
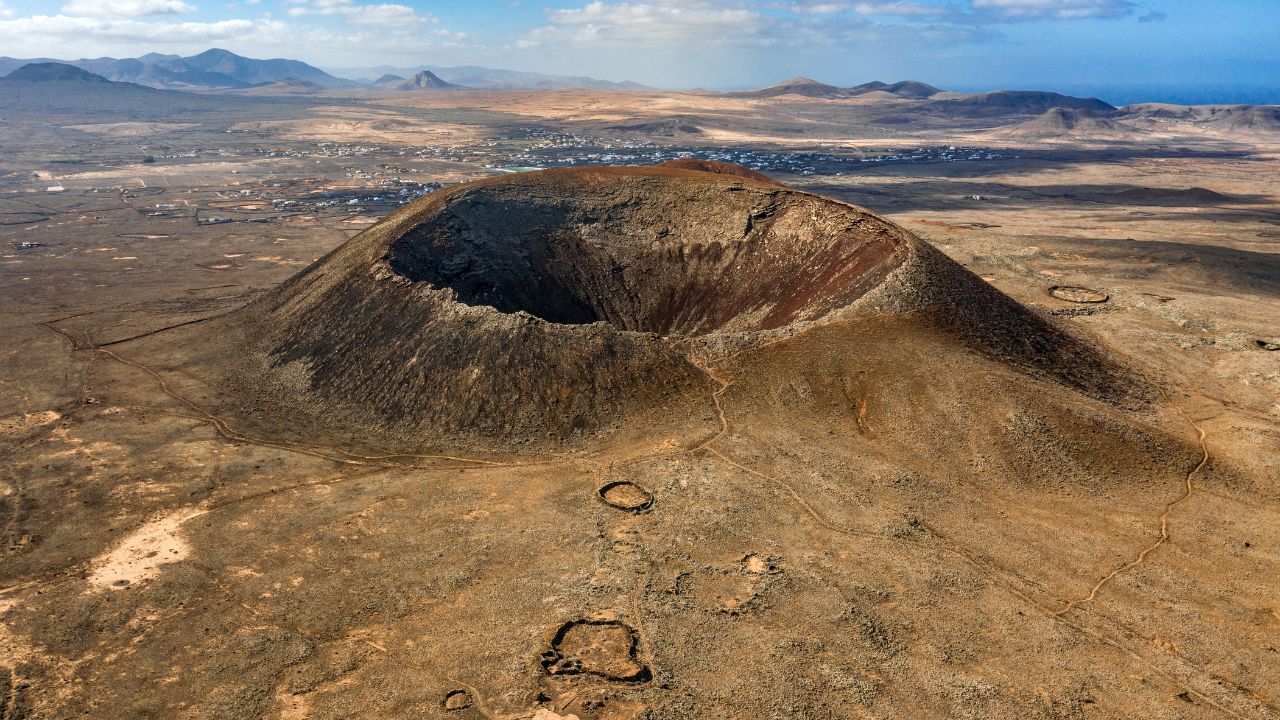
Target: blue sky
1120, 49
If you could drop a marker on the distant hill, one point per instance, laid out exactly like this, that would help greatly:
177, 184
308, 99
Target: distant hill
8, 64
66, 93
664, 127
164, 73
52, 72
49, 87
290, 86
427, 80
252, 71
864, 88
912, 89
496, 79
218, 69
1009, 102
213, 69
1258, 118
1157, 196
805, 87
1263, 119
484, 78
1063, 124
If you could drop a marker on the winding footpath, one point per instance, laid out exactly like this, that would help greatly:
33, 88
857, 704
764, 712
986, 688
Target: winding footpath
1164, 517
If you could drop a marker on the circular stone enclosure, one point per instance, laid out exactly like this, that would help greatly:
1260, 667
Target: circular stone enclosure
676, 254
626, 496
1082, 295
456, 700
604, 648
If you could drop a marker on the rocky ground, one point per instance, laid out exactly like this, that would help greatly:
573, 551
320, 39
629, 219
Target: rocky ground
874, 517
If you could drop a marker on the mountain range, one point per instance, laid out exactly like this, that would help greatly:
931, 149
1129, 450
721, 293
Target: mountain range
66, 91
213, 69
483, 78
907, 89
930, 100
67, 88
218, 69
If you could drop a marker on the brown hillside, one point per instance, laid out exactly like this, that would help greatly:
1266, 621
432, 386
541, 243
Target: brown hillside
1063, 123
565, 300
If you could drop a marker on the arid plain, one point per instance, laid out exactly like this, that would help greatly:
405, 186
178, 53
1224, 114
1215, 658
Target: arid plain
884, 513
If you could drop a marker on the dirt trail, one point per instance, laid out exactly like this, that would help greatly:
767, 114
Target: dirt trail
225, 429
1008, 580
1164, 518
369, 464
724, 430
228, 432
715, 398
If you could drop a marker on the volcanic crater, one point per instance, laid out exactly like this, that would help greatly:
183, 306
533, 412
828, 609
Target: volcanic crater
649, 254
555, 302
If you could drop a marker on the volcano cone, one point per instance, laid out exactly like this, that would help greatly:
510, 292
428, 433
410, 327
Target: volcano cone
551, 302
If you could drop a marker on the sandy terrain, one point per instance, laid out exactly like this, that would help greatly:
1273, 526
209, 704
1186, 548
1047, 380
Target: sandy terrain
131, 129
362, 125
143, 554
868, 518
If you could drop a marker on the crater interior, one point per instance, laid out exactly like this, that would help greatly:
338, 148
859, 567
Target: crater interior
649, 255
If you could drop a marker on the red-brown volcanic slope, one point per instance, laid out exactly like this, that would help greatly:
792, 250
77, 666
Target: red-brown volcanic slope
561, 301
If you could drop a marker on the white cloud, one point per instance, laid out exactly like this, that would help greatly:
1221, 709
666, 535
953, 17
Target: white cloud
387, 28
36, 34
386, 14
693, 25
125, 8
389, 15
899, 8
793, 23
821, 8
1051, 9
657, 22
990, 11
906, 9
